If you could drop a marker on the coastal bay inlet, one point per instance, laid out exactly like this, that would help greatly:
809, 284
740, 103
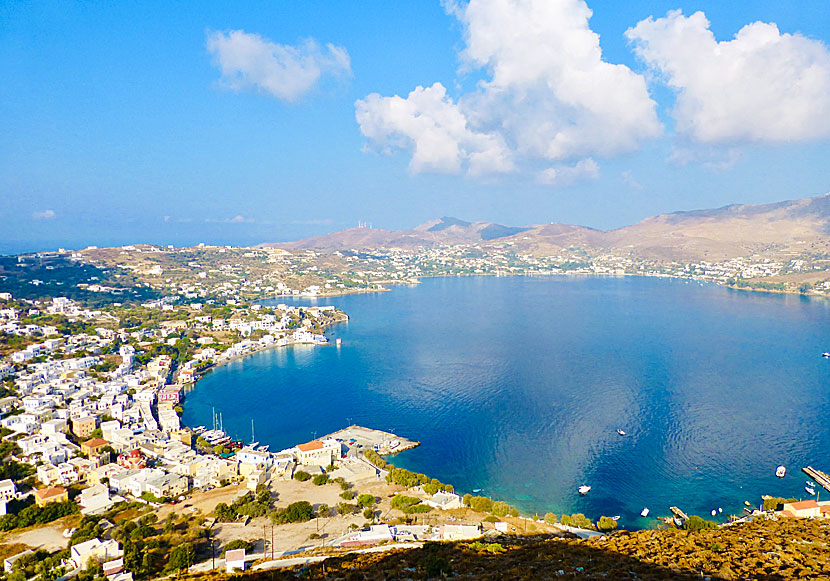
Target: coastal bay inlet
517, 386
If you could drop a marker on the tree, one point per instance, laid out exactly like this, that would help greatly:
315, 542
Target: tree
550, 518
301, 476
300, 511
224, 513
323, 510
500, 508
369, 514
181, 557
365, 500
320, 479
804, 287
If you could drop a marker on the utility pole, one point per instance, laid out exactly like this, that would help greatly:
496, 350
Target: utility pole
272, 542
212, 552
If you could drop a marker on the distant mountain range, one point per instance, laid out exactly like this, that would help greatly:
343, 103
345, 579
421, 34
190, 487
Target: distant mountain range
790, 227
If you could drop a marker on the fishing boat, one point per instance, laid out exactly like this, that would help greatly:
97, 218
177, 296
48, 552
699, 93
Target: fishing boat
620, 432
810, 483
584, 489
780, 471
644, 512
810, 490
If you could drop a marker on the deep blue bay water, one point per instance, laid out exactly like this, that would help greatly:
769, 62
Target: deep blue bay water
517, 386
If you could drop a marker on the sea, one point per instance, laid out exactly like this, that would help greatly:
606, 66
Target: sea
517, 386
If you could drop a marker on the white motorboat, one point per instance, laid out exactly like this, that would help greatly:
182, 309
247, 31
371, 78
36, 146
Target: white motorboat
826, 355
810, 490
620, 432
644, 512
780, 471
584, 489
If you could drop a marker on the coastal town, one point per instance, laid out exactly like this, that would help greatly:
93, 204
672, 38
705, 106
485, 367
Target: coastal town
94, 448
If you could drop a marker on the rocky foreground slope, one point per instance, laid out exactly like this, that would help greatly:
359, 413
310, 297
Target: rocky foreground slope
786, 549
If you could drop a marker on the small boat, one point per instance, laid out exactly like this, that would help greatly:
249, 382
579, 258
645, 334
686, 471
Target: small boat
810, 483
644, 512
780, 471
826, 355
617, 517
720, 510
620, 432
477, 490
810, 490
583, 490
746, 502
339, 341
714, 512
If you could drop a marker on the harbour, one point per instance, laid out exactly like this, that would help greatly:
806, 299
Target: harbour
529, 413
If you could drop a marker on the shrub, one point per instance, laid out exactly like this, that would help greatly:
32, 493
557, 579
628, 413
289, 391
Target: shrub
401, 502
606, 523
345, 508
369, 514
323, 510
480, 547
695, 523
347, 495
491, 518
320, 479
237, 544
301, 475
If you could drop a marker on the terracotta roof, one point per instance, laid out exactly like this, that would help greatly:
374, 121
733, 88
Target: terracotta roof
804, 504
45, 493
315, 445
96, 442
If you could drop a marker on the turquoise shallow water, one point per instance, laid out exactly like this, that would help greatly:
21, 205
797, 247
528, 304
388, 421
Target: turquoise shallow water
517, 386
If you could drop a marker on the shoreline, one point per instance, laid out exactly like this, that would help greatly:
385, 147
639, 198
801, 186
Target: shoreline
344, 292
401, 449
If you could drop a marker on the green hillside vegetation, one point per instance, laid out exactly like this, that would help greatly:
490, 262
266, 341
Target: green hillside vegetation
781, 550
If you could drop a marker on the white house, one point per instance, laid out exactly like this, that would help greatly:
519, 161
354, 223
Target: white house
94, 550
235, 560
8, 490
95, 499
444, 501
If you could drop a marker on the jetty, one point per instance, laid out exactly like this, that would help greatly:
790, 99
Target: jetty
679, 513
820, 478
384, 443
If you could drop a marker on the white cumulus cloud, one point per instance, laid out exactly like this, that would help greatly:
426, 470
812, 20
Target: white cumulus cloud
548, 95
249, 61
436, 128
44, 215
562, 176
761, 86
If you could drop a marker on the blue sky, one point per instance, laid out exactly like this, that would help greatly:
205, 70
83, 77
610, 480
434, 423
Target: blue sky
239, 123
